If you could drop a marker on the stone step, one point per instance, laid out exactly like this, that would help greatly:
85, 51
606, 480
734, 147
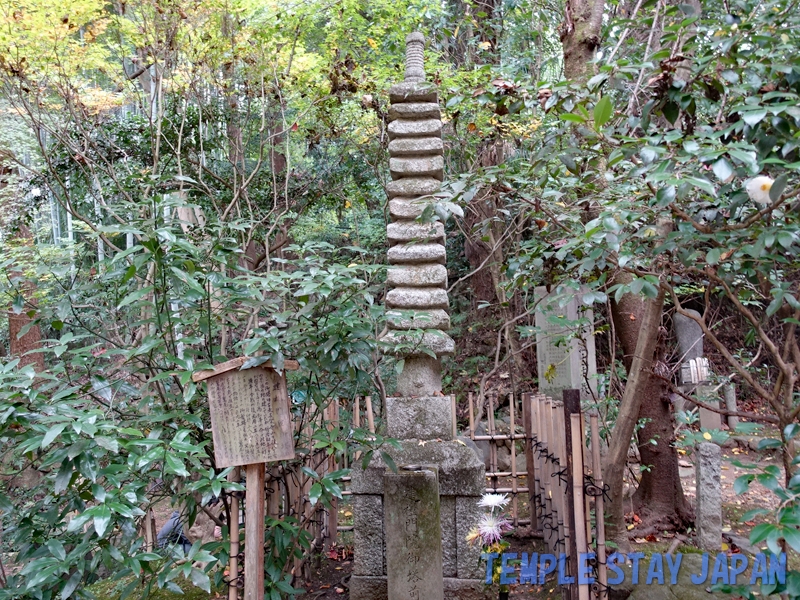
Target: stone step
418, 319
406, 209
415, 146
414, 110
415, 232
410, 254
412, 343
412, 92
412, 129
413, 186
417, 276
432, 166
417, 298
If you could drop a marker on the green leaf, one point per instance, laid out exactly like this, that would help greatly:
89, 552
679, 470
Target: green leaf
702, 183
71, 585
722, 169
315, 493
389, 461
777, 188
57, 549
665, 195
52, 434
792, 537
742, 484
101, 518
602, 112
754, 117
175, 465
201, 580
572, 117
712, 256
791, 430
671, 112
134, 296
760, 532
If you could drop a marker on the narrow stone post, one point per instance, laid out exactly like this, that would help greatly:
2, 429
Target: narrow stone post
413, 534
729, 392
708, 510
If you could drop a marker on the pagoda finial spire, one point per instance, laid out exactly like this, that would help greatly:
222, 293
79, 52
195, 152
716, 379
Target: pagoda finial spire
415, 48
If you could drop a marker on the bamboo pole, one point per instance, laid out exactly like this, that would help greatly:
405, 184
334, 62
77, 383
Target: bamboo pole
530, 476
370, 416
233, 532
453, 414
577, 492
599, 509
513, 430
492, 445
471, 417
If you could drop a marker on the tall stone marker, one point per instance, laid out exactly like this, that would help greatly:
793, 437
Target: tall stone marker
413, 534
564, 364
387, 558
250, 425
695, 368
708, 513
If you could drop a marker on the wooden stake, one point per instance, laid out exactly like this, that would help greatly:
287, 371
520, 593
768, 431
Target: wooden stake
599, 514
492, 445
254, 533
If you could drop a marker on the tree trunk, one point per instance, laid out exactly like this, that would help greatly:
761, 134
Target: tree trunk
580, 37
625, 424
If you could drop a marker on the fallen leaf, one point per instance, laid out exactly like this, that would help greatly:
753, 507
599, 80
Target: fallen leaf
340, 590
706, 436
651, 538
631, 526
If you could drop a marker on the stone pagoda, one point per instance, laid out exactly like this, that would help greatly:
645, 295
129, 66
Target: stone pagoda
410, 526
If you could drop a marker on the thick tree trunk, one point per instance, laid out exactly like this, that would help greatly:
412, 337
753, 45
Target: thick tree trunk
625, 424
580, 37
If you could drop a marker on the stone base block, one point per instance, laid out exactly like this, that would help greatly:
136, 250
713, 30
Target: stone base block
461, 472
423, 418
374, 588
368, 534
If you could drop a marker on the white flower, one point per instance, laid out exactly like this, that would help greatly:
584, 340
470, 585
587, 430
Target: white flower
493, 500
758, 189
491, 528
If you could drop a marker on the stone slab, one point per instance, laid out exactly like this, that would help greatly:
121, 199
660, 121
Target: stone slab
407, 209
414, 110
403, 128
368, 535
689, 335
415, 146
447, 513
570, 365
411, 254
708, 510
413, 319
413, 534
461, 473
420, 376
423, 417
374, 588
417, 276
412, 92
413, 344
413, 186
417, 298
468, 514
708, 418
432, 166
412, 232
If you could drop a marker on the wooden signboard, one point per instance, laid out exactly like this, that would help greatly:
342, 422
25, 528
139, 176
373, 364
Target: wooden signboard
251, 425
250, 418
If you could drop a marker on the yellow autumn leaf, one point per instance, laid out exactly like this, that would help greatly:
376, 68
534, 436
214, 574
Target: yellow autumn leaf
707, 436
372, 43
631, 526
485, 45
347, 204
724, 547
784, 38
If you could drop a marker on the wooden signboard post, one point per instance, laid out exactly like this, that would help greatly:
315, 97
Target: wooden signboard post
251, 426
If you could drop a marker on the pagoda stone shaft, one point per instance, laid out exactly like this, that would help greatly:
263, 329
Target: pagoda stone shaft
417, 301
389, 556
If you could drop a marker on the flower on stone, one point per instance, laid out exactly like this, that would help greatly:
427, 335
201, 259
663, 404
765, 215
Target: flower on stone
491, 529
493, 501
758, 189
473, 535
